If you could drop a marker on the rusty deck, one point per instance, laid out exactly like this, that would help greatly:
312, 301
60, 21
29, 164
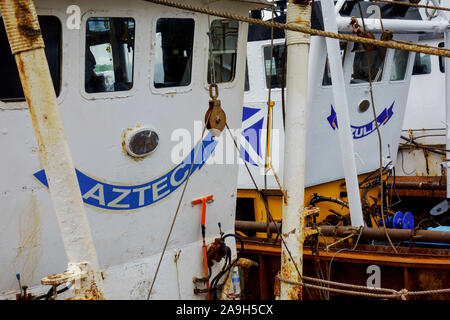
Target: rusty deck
413, 268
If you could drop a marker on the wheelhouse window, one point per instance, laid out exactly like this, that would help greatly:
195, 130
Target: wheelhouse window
399, 65
327, 73
422, 64
10, 85
223, 51
247, 81
109, 54
173, 52
361, 65
442, 59
274, 77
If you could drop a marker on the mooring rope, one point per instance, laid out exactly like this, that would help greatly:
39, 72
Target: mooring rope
391, 293
300, 28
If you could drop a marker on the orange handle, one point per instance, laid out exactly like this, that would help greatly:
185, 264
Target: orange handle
203, 202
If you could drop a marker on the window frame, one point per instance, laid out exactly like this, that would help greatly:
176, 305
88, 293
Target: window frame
63, 76
422, 74
384, 74
178, 89
347, 55
441, 59
247, 77
239, 44
82, 33
408, 71
275, 44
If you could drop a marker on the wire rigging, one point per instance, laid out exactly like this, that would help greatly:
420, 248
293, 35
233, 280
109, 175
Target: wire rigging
380, 144
266, 206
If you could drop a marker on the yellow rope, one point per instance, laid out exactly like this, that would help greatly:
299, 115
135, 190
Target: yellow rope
304, 29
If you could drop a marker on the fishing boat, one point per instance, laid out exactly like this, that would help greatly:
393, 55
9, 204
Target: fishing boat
135, 104
409, 106
124, 122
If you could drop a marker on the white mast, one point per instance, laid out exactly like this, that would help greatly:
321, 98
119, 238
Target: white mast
295, 148
341, 106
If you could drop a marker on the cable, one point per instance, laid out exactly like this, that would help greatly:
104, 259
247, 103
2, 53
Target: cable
266, 206
337, 252
418, 145
216, 279
378, 133
317, 199
178, 209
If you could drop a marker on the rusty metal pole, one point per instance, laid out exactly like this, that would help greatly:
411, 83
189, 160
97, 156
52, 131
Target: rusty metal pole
298, 12
27, 46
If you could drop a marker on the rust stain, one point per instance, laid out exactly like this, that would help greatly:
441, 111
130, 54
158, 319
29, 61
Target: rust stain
28, 26
25, 85
124, 149
30, 233
246, 263
287, 269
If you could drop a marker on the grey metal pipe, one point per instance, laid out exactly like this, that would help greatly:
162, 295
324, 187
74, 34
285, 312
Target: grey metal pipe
416, 185
367, 233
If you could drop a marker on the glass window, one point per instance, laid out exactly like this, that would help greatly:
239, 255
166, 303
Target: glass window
223, 42
10, 86
109, 54
441, 59
360, 65
422, 64
274, 77
399, 65
327, 74
173, 52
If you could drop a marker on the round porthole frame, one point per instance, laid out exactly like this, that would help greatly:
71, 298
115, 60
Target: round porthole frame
131, 134
363, 106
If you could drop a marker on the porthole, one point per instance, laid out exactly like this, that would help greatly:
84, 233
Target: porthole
141, 142
363, 106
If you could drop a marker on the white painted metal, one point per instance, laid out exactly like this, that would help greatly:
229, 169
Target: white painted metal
339, 5
341, 104
426, 112
323, 162
128, 242
55, 155
400, 26
425, 117
295, 150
